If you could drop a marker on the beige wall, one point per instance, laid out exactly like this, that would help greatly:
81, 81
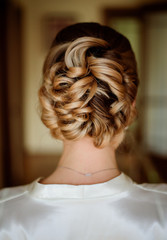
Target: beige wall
36, 136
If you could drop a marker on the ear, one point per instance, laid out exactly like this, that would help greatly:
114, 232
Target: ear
117, 139
134, 103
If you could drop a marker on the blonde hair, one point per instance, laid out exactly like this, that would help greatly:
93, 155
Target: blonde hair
88, 90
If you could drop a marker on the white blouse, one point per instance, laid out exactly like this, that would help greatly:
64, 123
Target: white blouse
118, 209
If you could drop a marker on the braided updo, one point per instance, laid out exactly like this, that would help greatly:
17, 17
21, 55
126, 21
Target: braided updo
90, 82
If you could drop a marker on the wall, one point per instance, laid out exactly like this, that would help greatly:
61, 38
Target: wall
155, 130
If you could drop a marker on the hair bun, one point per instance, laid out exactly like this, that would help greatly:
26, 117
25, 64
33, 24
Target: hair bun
85, 92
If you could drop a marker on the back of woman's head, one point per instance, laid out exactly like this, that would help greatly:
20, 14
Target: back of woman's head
90, 84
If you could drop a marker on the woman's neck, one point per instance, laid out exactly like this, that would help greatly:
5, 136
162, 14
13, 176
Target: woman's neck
84, 157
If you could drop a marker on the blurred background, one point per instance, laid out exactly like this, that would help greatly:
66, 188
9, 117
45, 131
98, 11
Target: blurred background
27, 27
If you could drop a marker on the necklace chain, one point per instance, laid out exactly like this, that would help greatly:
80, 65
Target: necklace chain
87, 174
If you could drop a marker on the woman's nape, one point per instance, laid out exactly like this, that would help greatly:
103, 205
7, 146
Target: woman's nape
83, 156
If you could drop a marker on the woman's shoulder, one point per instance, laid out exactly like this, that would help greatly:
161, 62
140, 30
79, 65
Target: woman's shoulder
11, 193
159, 188
154, 195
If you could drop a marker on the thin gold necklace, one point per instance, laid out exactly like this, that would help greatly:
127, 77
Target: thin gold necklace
88, 174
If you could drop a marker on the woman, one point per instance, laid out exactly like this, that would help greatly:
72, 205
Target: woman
88, 101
